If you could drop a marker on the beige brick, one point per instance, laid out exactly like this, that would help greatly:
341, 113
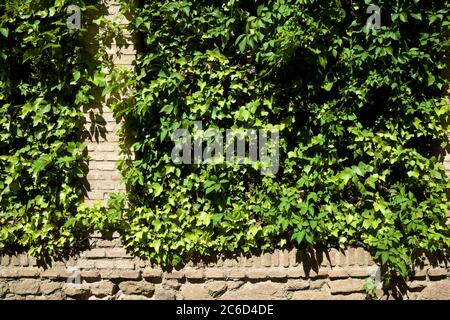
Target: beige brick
351, 257
174, 275
420, 273
104, 264
77, 291
32, 261
295, 285
94, 253
97, 156
417, 285
321, 273
117, 253
124, 49
102, 288
107, 147
284, 258
111, 156
214, 274
137, 287
51, 273
277, 275
229, 263
125, 59
358, 272
124, 264
362, 257
338, 273
95, 195
23, 260
437, 273
296, 273
85, 264
333, 256
317, 284
246, 261
152, 273
216, 288
15, 261
311, 295
105, 244
28, 272
276, 258
266, 260
194, 274
106, 166
5, 261
352, 296
8, 273
256, 275
346, 286
23, 287
90, 275
436, 290
49, 287
236, 275
293, 258
130, 275
195, 292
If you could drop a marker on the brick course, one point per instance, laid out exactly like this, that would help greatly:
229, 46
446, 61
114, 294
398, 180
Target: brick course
108, 272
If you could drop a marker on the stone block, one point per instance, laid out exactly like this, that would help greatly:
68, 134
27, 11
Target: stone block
102, 288
214, 274
49, 287
216, 288
137, 287
24, 287
346, 286
295, 285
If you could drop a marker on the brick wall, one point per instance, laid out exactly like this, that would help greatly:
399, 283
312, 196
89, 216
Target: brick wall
100, 131
106, 271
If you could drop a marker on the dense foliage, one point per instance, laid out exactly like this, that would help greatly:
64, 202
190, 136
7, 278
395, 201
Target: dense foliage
44, 82
359, 111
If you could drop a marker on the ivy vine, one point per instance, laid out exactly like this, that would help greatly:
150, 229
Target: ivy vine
46, 78
360, 111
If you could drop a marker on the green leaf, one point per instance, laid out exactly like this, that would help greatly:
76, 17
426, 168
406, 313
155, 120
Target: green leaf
40, 164
4, 32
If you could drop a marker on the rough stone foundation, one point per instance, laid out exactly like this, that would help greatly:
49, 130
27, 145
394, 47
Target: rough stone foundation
107, 272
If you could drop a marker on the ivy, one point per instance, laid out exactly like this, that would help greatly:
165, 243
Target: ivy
359, 110
45, 81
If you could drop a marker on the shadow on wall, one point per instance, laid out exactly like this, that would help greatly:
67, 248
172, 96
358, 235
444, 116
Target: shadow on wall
106, 47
